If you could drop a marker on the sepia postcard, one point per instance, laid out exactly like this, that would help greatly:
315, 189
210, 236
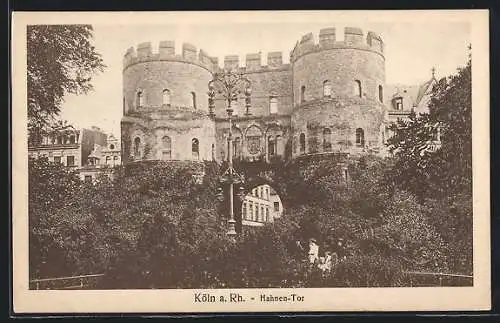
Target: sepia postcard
285, 161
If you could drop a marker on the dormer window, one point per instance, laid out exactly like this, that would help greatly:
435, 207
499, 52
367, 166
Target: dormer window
398, 103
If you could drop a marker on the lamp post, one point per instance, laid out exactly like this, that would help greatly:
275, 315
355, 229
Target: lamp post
229, 85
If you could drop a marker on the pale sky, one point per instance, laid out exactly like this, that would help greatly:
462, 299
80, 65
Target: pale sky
411, 50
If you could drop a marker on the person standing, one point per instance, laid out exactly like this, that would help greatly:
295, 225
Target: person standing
341, 250
313, 251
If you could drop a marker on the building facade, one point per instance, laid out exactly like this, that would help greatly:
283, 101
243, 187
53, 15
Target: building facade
70, 146
262, 205
89, 151
331, 98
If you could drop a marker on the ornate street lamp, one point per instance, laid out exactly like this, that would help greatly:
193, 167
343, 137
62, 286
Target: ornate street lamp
229, 85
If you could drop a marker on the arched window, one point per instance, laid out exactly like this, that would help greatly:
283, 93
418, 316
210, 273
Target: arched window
380, 93
166, 97
193, 100
327, 88
303, 93
115, 160
108, 160
140, 99
271, 146
166, 148
327, 139
302, 143
360, 137
273, 105
137, 147
357, 88
195, 148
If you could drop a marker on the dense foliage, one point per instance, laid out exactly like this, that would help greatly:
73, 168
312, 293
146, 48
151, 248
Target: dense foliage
158, 225
61, 59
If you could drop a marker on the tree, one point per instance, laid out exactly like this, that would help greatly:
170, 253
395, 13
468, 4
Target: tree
441, 178
52, 189
61, 59
447, 170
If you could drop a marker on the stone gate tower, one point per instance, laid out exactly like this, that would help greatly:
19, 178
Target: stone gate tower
328, 99
165, 104
338, 93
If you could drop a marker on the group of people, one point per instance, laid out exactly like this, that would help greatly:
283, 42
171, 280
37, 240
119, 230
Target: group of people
329, 259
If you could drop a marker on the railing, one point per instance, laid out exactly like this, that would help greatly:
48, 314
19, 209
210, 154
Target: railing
423, 279
71, 282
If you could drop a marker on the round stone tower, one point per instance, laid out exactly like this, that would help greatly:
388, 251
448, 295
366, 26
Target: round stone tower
338, 93
165, 104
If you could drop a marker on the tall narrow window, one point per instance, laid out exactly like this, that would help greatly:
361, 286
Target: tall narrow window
236, 147
279, 145
70, 161
303, 93
244, 210
273, 105
380, 93
115, 160
327, 140
72, 139
357, 88
137, 147
108, 160
360, 137
251, 211
327, 88
166, 97
302, 143
195, 148
271, 146
398, 103
140, 99
193, 100
166, 148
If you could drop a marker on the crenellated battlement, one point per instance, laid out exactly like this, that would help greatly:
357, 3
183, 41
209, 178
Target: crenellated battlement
166, 52
253, 62
353, 38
